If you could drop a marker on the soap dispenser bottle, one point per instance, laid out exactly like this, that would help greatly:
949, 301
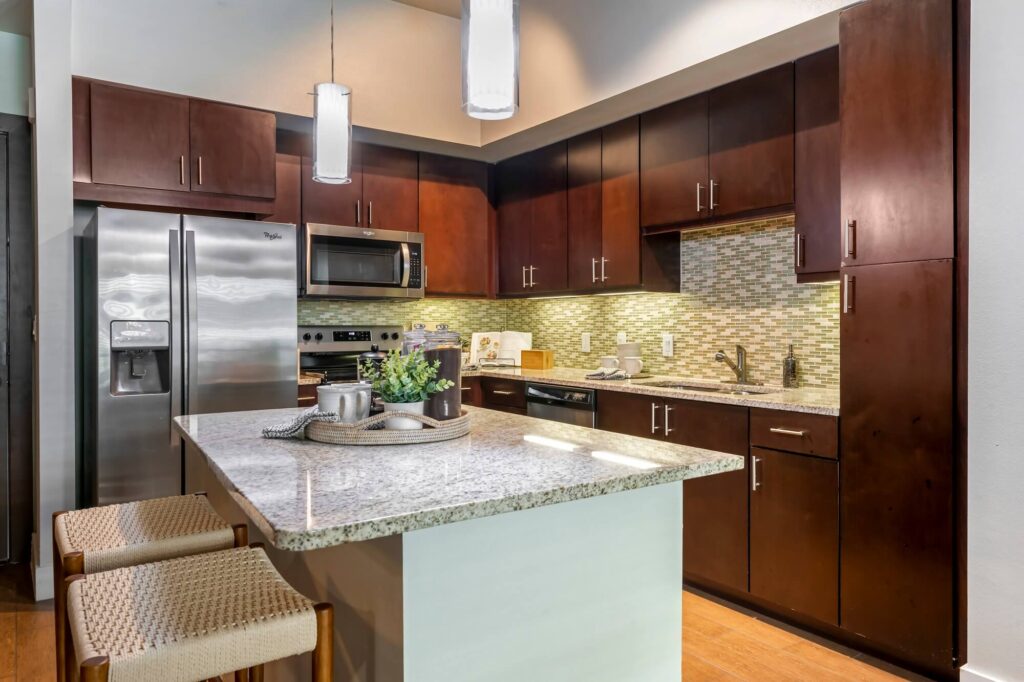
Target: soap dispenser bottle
789, 370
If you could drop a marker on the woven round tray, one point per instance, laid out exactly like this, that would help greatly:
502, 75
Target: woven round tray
362, 433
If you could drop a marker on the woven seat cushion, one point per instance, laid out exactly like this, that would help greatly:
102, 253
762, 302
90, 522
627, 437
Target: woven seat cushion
133, 533
190, 618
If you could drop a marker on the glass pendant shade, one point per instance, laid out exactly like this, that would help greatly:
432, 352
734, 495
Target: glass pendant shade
490, 58
332, 134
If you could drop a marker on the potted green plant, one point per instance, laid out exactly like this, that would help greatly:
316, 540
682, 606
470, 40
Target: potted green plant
404, 382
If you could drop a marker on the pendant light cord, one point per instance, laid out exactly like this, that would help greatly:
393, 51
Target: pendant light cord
332, 41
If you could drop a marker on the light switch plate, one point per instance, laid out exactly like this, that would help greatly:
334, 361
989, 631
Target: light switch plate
585, 342
620, 337
666, 344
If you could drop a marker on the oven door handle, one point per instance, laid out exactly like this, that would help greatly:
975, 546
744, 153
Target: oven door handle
406, 264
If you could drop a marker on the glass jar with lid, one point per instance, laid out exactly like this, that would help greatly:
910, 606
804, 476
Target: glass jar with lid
414, 338
445, 345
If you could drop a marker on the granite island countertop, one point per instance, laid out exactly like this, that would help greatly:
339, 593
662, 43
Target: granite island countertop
306, 495
810, 400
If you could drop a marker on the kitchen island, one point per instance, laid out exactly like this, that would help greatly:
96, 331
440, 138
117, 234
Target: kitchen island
526, 550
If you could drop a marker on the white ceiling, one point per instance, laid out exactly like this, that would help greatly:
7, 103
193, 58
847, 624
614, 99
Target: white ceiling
451, 8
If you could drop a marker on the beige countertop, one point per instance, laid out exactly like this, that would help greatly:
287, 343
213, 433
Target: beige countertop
811, 400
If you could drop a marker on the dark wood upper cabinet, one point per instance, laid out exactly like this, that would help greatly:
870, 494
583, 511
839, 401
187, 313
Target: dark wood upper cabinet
390, 188
334, 204
896, 93
794, 532
454, 213
514, 180
288, 192
750, 137
584, 210
816, 148
549, 243
139, 138
674, 163
620, 204
896, 457
233, 149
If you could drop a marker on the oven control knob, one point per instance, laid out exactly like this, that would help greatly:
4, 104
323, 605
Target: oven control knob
394, 336
319, 336
384, 336
306, 336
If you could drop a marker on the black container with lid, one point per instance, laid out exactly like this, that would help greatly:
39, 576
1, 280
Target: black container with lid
445, 345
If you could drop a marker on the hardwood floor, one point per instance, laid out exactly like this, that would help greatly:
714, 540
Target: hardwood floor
719, 643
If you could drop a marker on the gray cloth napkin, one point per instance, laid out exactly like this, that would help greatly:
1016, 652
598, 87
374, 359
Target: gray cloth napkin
607, 374
296, 428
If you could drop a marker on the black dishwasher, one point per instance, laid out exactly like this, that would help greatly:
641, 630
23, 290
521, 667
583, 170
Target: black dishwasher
561, 404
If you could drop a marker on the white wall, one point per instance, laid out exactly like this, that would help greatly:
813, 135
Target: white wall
15, 73
995, 503
402, 63
55, 357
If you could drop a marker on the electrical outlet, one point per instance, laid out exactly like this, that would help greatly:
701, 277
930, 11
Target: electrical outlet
585, 342
666, 344
620, 337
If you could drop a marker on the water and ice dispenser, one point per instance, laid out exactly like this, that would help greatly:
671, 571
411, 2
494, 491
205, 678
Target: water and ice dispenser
139, 357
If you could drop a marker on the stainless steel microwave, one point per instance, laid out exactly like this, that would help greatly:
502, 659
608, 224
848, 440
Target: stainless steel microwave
357, 262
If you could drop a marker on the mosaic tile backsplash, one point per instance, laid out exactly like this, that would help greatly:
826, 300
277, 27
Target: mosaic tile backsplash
737, 287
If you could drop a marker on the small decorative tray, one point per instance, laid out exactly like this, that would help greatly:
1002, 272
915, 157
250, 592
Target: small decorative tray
363, 433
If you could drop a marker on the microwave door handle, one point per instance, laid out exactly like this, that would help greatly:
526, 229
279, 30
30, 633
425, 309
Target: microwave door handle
406, 264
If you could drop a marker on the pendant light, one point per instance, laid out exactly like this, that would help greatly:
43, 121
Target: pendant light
490, 58
332, 128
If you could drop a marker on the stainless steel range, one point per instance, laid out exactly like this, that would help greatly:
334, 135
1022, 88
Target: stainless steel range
334, 351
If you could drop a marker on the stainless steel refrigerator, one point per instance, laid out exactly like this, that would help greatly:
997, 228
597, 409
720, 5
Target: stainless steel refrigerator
180, 315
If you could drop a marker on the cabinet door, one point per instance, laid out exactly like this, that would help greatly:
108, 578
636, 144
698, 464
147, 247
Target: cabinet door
139, 139
674, 162
288, 192
628, 413
472, 393
453, 217
896, 457
334, 204
514, 219
896, 90
391, 188
751, 141
715, 520
620, 204
549, 239
817, 163
794, 532
233, 149
584, 211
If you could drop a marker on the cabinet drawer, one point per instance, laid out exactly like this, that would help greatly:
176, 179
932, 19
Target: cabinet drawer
808, 434
307, 395
471, 391
503, 392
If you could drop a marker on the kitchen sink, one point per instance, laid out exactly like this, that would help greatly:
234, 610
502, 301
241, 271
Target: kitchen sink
727, 389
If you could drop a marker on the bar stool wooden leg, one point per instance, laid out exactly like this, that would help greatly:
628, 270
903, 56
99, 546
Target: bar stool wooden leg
95, 669
71, 560
256, 673
241, 532
242, 675
58, 601
323, 654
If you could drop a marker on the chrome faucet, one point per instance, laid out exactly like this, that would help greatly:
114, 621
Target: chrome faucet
739, 367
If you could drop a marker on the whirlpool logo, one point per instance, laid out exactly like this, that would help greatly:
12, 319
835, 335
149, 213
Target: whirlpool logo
271, 235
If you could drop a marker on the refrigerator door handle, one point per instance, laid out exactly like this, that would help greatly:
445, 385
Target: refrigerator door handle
174, 254
191, 320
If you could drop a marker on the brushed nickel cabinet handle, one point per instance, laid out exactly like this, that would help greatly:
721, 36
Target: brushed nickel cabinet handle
497, 392
754, 483
200, 170
712, 203
531, 276
851, 238
799, 433
799, 250
181, 169
524, 276
359, 212
593, 269
369, 213
668, 408
603, 262
654, 417
699, 188
849, 283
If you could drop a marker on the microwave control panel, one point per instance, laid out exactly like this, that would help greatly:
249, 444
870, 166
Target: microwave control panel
415, 266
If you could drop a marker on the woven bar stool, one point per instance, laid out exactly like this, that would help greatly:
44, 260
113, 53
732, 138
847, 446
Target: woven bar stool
87, 541
193, 618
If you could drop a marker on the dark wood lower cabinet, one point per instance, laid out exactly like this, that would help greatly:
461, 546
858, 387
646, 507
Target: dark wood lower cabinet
471, 393
896, 460
794, 532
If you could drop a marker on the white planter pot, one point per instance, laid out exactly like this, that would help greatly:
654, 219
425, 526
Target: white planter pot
403, 423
